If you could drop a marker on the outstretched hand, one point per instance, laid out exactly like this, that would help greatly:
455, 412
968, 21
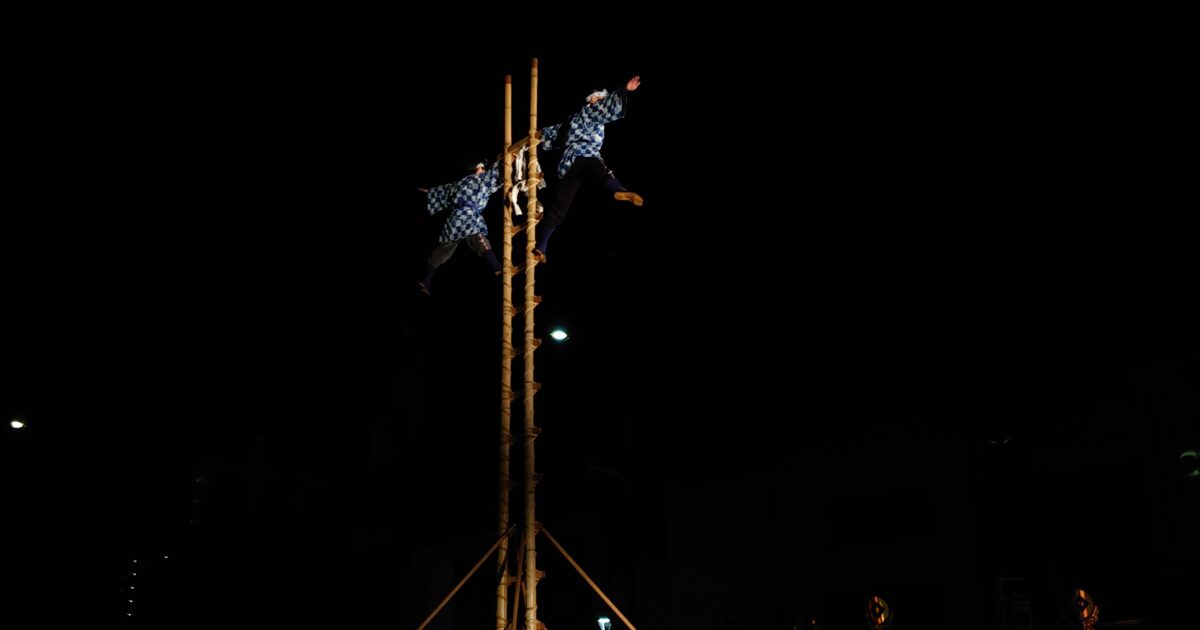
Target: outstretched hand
633, 83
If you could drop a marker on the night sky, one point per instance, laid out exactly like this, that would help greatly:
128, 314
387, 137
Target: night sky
908, 309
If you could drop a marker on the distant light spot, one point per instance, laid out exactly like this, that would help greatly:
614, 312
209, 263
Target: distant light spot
17, 423
1189, 464
558, 334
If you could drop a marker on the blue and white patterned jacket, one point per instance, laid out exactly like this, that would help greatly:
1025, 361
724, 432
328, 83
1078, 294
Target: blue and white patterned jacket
585, 129
466, 198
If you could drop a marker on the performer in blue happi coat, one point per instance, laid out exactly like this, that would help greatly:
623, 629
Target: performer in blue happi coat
466, 199
580, 138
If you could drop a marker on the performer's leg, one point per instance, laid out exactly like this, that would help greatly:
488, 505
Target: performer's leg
560, 203
619, 191
564, 193
480, 245
440, 255
539, 250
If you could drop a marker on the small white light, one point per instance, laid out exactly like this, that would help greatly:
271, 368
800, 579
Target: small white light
135, 560
558, 334
132, 587
134, 573
17, 423
164, 557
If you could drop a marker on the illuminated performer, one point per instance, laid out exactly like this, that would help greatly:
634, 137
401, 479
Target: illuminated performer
466, 199
580, 137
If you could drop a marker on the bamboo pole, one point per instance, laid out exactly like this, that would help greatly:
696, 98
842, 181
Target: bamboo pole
531, 572
588, 579
446, 600
506, 355
519, 591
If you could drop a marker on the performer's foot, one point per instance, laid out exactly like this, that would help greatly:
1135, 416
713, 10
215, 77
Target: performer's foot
631, 197
424, 289
539, 256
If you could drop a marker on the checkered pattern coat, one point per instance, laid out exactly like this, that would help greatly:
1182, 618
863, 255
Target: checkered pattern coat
466, 199
585, 129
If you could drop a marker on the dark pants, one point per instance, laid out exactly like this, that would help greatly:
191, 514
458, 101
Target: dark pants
582, 169
478, 243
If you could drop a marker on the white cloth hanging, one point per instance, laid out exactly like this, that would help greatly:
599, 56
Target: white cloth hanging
521, 181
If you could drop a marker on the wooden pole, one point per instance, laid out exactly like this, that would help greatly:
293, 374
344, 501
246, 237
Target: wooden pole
519, 591
531, 572
446, 600
588, 579
506, 355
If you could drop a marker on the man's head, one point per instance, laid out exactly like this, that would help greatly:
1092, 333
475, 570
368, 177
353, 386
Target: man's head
474, 163
596, 96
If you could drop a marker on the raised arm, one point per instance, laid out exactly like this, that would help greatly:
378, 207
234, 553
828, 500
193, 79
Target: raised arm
611, 107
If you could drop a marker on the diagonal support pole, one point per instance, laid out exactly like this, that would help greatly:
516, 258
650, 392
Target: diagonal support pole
466, 577
587, 579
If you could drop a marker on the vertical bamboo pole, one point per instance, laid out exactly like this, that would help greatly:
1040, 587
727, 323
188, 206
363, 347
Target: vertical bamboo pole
531, 572
506, 355
518, 589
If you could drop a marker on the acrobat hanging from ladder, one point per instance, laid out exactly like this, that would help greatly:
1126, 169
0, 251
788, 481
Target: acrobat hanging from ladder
580, 137
466, 199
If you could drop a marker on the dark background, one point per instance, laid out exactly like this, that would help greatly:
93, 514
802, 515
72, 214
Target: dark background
908, 310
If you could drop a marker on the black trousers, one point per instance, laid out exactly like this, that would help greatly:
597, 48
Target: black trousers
583, 169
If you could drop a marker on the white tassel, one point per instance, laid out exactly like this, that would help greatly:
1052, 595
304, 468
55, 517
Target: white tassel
518, 181
521, 181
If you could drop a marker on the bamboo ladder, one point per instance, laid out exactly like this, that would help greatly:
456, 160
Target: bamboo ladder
528, 544
529, 531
